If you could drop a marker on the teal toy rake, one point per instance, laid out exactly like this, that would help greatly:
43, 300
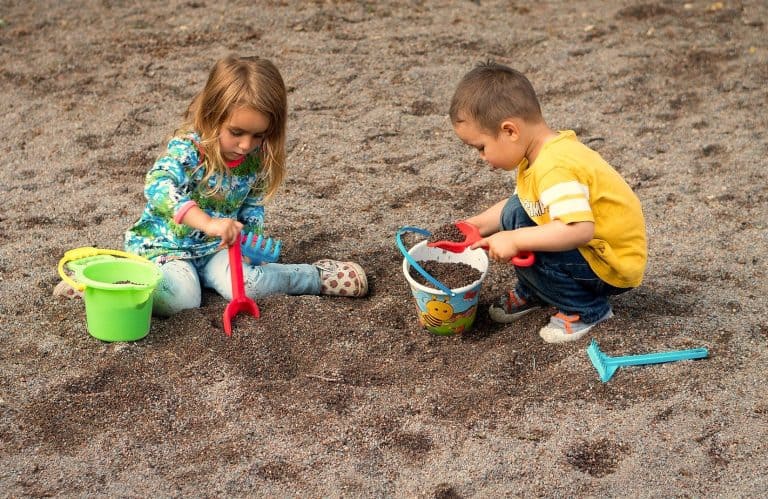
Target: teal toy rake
263, 250
607, 365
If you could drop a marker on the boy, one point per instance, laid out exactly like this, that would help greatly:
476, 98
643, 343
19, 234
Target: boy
570, 208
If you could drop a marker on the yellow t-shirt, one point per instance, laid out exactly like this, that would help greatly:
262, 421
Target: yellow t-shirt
572, 183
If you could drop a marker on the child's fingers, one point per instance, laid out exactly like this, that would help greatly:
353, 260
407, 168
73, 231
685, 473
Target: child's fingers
229, 238
231, 233
233, 239
482, 243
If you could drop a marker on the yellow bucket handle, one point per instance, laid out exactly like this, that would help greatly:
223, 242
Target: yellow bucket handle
86, 252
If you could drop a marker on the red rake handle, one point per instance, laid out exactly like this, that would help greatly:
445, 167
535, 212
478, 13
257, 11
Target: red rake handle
240, 302
523, 259
236, 270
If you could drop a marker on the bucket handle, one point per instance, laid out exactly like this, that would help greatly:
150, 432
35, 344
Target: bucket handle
413, 263
88, 251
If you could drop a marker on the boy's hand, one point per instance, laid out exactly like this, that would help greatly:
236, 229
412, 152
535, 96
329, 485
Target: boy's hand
225, 228
501, 246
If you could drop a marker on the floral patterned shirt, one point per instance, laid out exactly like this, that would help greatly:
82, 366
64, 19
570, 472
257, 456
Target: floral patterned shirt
173, 183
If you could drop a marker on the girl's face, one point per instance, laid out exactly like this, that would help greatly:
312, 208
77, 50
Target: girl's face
241, 133
503, 151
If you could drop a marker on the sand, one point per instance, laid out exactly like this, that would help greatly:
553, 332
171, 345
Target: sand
339, 397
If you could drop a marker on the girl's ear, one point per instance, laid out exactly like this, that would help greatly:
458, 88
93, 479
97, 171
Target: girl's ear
510, 129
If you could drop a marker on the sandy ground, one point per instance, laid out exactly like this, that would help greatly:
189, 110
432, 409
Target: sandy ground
339, 397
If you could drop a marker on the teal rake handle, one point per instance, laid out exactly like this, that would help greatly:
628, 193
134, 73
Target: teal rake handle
660, 357
607, 365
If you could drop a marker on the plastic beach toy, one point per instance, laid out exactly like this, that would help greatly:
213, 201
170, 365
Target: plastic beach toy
240, 302
607, 365
117, 290
442, 310
471, 236
263, 250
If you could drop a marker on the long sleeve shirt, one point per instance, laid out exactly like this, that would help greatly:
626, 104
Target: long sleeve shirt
174, 184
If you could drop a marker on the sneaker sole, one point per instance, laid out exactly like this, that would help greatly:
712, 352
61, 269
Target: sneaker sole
497, 314
556, 335
363, 279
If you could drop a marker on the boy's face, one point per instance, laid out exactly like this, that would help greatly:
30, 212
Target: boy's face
503, 150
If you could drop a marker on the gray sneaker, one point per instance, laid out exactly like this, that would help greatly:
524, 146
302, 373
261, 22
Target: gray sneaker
511, 307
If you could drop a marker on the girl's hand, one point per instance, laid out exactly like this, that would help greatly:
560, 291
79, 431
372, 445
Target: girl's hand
225, 228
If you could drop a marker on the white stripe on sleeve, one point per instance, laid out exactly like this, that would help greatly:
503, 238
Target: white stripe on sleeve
567, 206
563, 189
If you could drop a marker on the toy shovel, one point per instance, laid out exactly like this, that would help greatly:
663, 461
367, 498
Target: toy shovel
471, 236
607, 365
240, 302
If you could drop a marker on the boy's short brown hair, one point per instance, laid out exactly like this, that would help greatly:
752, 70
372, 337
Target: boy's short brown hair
491, 93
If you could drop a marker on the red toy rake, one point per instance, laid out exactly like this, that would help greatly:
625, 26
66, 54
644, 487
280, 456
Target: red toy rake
471, 236
240, 302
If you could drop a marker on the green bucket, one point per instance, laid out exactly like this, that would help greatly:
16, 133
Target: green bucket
118, 298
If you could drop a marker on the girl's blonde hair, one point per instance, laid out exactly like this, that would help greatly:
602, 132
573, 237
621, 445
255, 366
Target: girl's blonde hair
235, 82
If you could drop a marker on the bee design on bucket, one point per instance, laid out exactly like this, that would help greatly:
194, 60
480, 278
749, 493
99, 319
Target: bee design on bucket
437, 312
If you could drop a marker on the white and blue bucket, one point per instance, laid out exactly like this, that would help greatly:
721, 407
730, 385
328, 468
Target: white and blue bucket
441, 310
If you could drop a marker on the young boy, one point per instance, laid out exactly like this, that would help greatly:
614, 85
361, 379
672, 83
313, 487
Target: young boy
570, 207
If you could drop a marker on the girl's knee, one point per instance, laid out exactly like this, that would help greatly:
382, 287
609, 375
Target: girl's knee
178, 290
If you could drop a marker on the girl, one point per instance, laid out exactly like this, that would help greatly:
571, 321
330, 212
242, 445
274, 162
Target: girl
227, 158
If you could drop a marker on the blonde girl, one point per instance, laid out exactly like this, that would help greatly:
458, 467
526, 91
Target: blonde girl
221, 165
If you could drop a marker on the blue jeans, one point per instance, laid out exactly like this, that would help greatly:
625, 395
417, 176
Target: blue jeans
562, 279
183, 280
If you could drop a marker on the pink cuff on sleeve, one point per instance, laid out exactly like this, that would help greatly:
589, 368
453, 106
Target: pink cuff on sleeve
183, 211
